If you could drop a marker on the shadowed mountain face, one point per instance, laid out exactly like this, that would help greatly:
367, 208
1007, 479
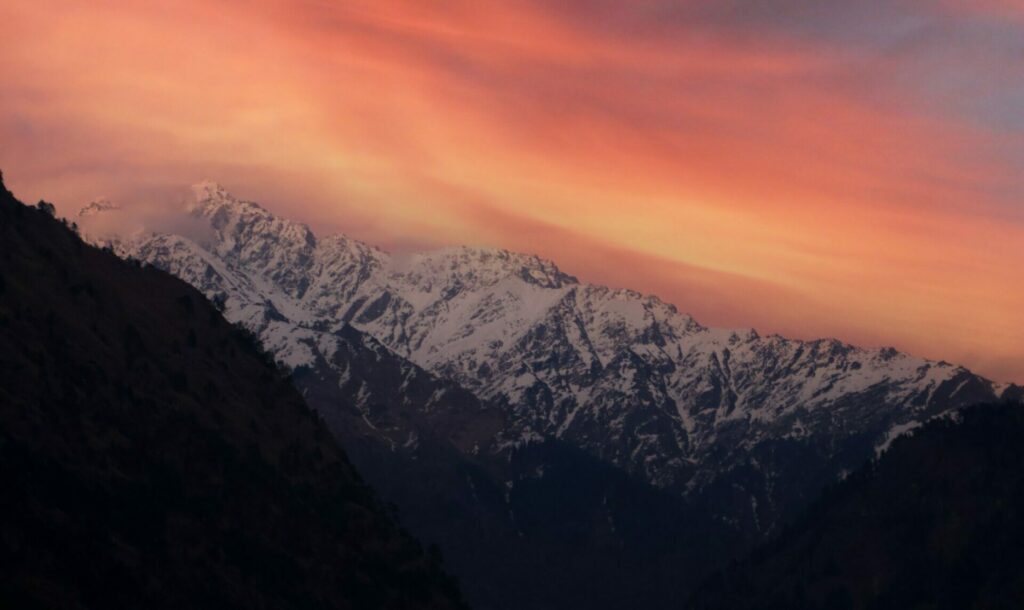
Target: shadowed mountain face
935, 523
152, 456
536, 525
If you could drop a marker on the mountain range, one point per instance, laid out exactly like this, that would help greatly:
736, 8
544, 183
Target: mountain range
473, 385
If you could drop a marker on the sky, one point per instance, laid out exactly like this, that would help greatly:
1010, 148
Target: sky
812, 168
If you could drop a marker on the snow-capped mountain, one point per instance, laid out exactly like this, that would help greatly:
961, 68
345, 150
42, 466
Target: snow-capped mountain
752, 423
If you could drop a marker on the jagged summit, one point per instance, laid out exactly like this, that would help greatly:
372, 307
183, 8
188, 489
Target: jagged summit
207, 191
464, 265
484, 266
212, 200
98, 206
468, 264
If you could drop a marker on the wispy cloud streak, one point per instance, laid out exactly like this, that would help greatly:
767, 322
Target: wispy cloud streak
842, 168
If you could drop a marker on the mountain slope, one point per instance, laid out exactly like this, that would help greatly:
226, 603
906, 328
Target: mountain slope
537, 525
751, 426
935, 523
152, 456
524, 523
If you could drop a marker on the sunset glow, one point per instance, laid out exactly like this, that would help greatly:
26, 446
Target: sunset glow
855, 172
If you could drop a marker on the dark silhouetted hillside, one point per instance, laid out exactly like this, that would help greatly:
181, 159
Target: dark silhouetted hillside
936, 523
542, 526
151, 456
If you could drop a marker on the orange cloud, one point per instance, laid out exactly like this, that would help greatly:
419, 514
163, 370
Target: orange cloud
748, 172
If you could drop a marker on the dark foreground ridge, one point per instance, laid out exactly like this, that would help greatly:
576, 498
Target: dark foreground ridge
151, 456
935, 523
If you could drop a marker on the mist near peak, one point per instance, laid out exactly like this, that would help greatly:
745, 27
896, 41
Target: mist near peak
107, 221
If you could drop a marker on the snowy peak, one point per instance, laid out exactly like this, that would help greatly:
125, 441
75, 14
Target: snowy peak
213, 202
98, 207
277, 250
208, 193
475, 268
